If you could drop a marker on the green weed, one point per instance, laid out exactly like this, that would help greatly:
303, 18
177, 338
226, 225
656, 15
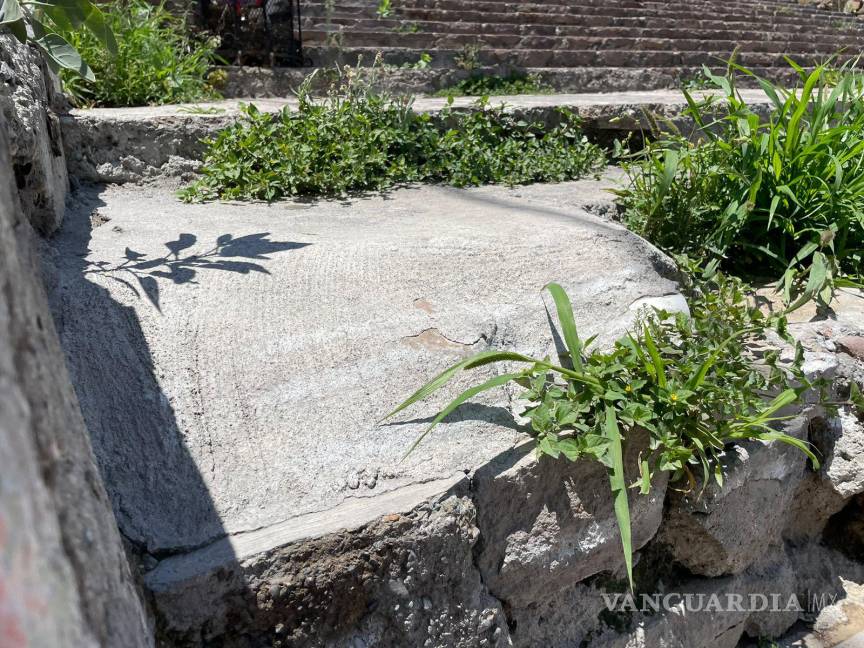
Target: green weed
355, 139
407, 28
691, 383
384, 8
480, 85
156, 60
772, 197
468, 58
49, 20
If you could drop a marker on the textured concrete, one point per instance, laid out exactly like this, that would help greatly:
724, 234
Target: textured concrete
268, 340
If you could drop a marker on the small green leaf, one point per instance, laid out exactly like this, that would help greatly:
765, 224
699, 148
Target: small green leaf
656, 360
61, 54
568, 323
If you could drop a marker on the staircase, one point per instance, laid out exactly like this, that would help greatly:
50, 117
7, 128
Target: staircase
582, 45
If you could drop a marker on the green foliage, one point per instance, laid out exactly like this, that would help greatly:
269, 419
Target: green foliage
468, 58
483, 85
48, 17
780, 195
407, 28
691, 383
156, 60
384, 8
420, 64
355, 140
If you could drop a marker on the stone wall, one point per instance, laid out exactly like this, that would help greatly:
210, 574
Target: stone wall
64, 576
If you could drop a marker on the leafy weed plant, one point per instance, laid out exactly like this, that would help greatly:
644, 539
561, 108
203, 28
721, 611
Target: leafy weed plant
355, 139
690, 382
778, 197
480, 85
48, 17
156, 59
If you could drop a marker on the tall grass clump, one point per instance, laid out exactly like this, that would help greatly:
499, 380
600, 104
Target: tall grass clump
692, 383
157, 60
776, 196
355, 139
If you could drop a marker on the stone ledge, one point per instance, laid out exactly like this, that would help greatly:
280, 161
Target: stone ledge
133, 144
353, 513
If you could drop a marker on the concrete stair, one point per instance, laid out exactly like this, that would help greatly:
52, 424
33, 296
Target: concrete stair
636, 44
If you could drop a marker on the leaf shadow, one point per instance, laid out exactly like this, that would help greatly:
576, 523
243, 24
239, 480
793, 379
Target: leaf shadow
229, 253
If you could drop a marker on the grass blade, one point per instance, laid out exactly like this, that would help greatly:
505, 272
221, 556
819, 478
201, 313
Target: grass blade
803, 446
497, 381
568, 323
619, 488
656, 360
478, 360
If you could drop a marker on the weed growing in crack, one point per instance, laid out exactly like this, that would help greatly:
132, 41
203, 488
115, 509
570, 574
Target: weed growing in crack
694, 384
778, 196
356, 139
489, 85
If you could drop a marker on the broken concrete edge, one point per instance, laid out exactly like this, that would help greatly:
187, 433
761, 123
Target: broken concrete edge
353, 513
133, 144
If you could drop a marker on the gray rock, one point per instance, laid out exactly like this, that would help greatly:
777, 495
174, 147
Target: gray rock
27, 103
549, 523
728, 528
710, 613
840, 440
256, 368
811, 507
351, 577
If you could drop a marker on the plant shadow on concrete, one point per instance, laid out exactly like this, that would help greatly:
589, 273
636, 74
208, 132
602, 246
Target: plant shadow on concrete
184, 269
159, 493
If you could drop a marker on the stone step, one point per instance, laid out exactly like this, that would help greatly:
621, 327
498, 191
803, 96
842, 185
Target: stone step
505, 23
786, 8
541, 14
325, 55
566, 6
251, 82
704, 30
443, 40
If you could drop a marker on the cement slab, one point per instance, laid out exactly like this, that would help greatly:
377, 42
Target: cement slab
252, 348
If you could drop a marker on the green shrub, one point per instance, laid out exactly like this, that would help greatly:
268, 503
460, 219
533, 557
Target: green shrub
156, 62
776, 196
46, 18
691, 383
355, 139
481, 85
